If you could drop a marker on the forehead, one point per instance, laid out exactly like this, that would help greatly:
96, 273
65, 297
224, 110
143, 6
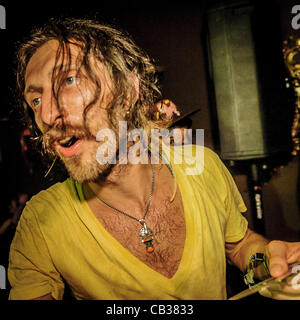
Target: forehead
44, 59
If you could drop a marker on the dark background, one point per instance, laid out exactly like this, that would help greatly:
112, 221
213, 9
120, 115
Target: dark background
174, 35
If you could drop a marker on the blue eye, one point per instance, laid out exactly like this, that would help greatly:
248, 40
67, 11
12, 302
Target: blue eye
36, 102
71, 80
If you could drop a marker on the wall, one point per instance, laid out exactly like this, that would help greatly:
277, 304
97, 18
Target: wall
174, 36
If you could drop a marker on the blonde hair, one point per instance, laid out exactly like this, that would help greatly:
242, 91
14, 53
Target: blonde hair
116, 51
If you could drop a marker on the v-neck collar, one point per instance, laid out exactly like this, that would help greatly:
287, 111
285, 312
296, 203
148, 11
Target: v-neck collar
117, 251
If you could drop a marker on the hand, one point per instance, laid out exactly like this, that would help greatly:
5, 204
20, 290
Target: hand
281, 254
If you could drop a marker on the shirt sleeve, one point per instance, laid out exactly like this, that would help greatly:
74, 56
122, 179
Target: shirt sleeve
31, 272
237, 224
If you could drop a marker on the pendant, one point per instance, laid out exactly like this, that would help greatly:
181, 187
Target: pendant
146, 235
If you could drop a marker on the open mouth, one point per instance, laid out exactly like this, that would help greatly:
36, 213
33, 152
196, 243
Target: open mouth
68, 141
69, 146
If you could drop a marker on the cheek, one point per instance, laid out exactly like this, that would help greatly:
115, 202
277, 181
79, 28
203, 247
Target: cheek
40, 124
96, 119
72, 101
96, 115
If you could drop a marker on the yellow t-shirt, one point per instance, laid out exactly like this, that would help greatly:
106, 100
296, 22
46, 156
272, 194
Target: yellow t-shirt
58, 237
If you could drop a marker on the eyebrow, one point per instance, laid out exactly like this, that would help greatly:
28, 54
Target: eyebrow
33, 88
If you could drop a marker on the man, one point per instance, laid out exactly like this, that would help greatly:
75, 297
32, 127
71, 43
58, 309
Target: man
121, 230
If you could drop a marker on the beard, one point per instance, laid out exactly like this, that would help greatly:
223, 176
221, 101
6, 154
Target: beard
83, 167
87, 170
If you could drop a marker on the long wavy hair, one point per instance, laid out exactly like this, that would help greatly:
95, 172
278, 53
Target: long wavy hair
115, 50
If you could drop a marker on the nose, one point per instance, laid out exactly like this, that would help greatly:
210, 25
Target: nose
51, 112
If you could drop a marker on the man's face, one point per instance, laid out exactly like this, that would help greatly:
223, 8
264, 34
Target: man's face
59, 112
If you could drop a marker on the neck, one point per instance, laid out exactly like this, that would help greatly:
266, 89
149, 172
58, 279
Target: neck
130, 183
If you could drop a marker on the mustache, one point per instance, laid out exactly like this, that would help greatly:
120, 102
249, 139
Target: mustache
54, 134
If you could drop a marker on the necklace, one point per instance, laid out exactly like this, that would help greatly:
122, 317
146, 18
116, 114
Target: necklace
145, 232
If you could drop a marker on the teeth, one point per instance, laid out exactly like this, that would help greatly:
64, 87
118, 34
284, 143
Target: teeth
65, 140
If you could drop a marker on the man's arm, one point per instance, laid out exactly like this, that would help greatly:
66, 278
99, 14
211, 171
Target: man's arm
280, 254
239, 252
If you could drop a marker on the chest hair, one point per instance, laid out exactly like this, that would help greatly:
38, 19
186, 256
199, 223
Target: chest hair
165, 218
